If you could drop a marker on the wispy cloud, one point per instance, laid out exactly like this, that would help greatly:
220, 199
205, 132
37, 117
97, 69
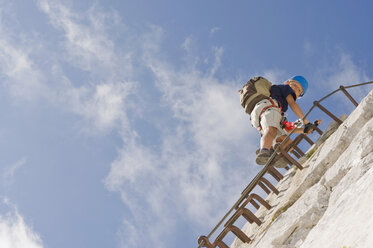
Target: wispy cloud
86, 35
10, 171
20, 74
274, 75
218, 53
86, 45
14, 232
103, 106
346, 72
89, 48
343, 70
214, 30
101, 100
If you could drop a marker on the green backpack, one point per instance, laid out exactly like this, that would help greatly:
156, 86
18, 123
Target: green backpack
255, 90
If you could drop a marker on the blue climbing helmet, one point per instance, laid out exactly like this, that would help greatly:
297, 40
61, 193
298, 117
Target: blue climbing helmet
302, 81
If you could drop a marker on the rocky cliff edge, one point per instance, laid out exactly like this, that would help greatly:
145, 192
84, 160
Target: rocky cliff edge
330, 202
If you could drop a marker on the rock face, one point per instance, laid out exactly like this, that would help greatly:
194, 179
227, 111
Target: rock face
330, 202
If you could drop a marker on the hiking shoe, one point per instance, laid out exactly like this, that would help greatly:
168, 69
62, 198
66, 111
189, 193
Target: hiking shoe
278, 161
263, 156
258, 150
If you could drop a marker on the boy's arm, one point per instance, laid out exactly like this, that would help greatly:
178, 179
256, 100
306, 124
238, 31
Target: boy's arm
296, 109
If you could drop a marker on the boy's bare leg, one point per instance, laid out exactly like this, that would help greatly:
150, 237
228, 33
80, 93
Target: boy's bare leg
269, 135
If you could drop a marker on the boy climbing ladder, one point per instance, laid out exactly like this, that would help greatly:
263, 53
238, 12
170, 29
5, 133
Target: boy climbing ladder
266, 105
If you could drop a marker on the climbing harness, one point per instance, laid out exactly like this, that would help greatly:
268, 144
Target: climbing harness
273, 105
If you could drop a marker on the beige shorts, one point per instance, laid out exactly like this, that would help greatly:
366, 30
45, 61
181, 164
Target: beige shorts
270, 118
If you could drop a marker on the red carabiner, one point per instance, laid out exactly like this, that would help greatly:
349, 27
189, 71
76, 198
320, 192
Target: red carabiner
288, 125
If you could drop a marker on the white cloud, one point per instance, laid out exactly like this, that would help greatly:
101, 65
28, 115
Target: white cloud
86, 36
274, 75
211, 108
335, 67
344, 71
103, 106
139, 177
135, 162
9, 172
15, 233
214, 30
187, 44
218, 53
129, 235
103, 100
214, 123
308, 48
21, 74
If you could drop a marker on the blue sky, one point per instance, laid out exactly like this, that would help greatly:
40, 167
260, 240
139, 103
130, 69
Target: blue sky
121, 124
